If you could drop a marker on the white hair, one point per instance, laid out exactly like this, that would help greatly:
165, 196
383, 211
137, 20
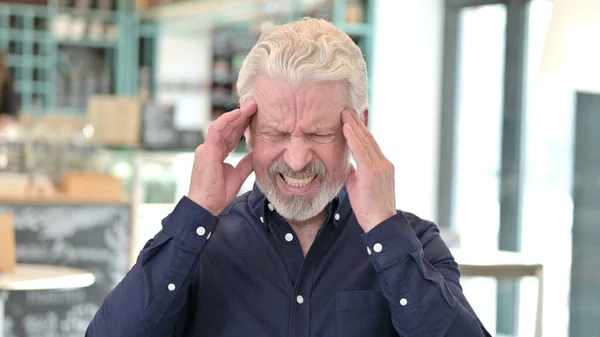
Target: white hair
304, 51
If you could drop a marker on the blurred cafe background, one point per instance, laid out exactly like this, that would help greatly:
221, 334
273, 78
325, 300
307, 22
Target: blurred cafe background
489, 110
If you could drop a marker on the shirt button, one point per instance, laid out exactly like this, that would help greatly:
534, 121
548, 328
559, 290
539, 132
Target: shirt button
208, 236
289, 237
171, 287
403, 301
262, 219
369, 250
377, 247
300, 299
336, 216
271, 208
200, 230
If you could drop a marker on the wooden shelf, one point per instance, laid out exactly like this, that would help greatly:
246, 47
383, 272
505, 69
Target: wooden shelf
190, 8
32, 37
192, 15
87, 43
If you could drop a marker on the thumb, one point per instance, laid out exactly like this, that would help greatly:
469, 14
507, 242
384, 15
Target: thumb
241, 172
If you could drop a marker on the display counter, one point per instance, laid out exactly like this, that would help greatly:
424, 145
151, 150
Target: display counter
92, 234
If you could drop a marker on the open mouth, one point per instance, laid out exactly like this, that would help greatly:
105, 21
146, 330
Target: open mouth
298, 182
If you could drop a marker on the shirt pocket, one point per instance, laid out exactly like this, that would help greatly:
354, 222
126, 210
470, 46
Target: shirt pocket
364, 313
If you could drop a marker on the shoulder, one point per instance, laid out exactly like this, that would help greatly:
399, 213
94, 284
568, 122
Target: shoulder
419, 225
239, 206
428, 231
238, 215
435, 247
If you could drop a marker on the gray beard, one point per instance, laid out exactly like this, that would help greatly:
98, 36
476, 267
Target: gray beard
299, 207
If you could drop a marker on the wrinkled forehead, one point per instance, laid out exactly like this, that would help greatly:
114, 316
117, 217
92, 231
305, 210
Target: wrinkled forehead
317, 104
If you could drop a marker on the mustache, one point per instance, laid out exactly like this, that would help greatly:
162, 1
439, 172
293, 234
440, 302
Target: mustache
314, 167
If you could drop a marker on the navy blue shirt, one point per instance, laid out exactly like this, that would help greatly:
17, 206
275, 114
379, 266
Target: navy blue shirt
243, 274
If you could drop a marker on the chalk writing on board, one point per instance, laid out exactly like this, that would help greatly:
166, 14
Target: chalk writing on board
52, 223
8, 327
77, 319
91, 237
53, 297
61, 251
41, 324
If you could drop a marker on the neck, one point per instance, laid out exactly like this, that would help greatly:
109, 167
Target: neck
307, 230
316, 220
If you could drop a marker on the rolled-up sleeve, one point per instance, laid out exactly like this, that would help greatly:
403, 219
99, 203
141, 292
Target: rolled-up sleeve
420, 280
152, 299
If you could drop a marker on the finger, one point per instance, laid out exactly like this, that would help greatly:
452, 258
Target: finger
357, 148
240, 173
365, 136
244, 168
226, 131
249, 108
216, 128
368, 135
233, 134
359, 134
247, 111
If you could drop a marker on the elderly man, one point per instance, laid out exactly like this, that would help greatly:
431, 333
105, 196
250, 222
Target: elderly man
317, 248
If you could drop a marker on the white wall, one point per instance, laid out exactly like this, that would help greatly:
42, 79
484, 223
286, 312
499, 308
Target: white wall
186, 59
406, 78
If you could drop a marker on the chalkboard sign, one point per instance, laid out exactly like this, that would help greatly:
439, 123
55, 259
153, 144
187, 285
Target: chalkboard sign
86, 236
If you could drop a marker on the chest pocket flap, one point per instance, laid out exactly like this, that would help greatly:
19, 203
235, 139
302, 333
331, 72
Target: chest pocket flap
363, 314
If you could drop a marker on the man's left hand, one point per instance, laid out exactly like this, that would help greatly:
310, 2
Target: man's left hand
370, 185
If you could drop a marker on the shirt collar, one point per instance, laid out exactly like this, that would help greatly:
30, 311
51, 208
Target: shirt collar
340, 205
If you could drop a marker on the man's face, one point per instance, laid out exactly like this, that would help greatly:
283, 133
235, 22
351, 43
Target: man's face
300, 156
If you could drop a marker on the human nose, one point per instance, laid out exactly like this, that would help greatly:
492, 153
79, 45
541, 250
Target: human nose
298, 153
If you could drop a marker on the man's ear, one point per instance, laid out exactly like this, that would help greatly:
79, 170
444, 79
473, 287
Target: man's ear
365, 117
247, 137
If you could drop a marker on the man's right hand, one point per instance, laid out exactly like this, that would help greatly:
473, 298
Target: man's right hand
214, 184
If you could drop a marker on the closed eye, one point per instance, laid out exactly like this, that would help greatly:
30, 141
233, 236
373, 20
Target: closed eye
321, 138
275, 136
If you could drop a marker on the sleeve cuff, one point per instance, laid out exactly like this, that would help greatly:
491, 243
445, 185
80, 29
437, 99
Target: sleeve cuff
391, 241
190, 225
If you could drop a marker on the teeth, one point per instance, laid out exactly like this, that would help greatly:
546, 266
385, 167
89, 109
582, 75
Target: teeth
295, 182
